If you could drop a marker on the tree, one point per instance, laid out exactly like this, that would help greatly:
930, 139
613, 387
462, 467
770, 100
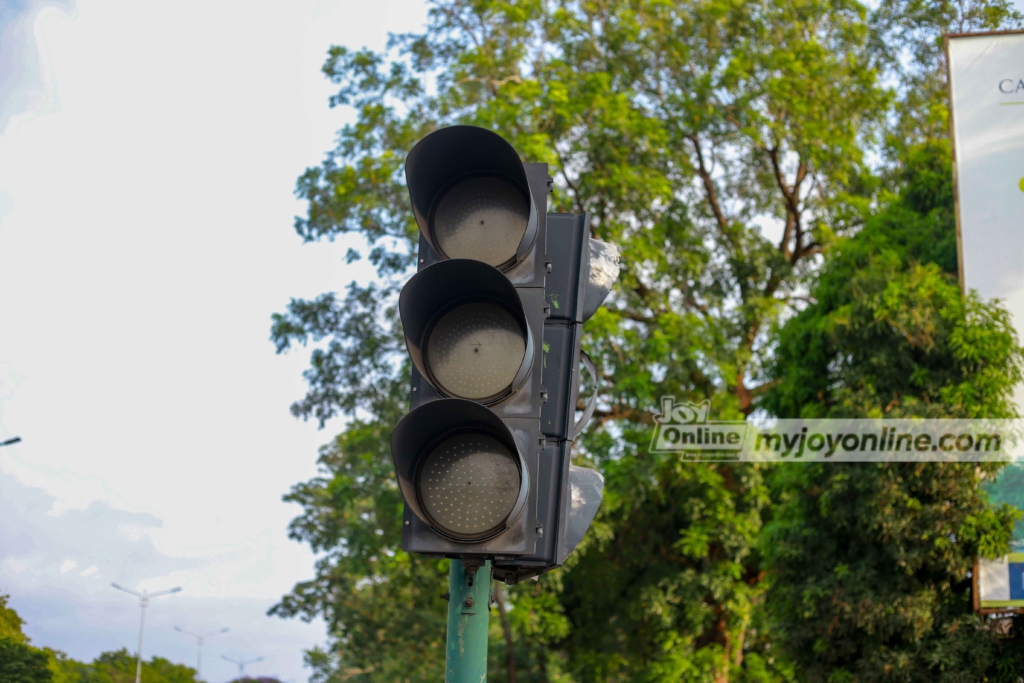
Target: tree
871, 563
1009, 488
907, 37
724, 146
680, 127
120, 666
10, 622
117, 667
21, 663
68, 670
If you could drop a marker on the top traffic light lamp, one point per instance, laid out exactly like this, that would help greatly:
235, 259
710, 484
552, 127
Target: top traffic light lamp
473, 198
482, 458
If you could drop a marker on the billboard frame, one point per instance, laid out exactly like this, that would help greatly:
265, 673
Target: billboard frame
946, 39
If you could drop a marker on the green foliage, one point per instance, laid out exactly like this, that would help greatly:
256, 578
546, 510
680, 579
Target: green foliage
67, 670
1008, 488
870, 563
120, 666
690, 131
638, 107
675, 586
889, 333
22, 663
19, 661
870, 571
10, 622
907, 40
117, 667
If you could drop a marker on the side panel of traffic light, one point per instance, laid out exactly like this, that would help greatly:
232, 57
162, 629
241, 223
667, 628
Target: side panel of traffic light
567, 497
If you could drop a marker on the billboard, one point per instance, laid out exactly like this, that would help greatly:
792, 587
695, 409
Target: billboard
1001, 583
986, 95
986, 91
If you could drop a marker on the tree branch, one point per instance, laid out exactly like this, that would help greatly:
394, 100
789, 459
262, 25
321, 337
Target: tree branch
712, 193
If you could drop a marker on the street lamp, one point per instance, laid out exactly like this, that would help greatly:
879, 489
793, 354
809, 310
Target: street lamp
200, 639
143, 597
241, 663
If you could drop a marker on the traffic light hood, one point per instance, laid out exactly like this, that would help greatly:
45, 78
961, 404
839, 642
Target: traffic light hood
429, 306
422, 431
471, 197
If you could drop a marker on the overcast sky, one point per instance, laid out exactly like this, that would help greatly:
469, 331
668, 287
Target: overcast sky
148, 153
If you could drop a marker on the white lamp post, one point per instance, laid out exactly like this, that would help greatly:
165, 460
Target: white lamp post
200, 639
241, 663
143, 597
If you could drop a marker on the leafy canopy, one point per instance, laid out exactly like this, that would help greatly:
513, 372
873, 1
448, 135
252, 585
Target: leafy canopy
728, 148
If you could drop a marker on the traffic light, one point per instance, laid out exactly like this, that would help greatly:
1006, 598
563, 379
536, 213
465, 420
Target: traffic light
492, 323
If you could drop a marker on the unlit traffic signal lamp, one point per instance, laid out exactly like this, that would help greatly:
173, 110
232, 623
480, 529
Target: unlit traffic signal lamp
493, 320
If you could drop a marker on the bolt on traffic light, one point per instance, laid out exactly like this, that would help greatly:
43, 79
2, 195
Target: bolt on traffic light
492, 323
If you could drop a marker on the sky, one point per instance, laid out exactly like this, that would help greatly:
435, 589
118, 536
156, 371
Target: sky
148, 156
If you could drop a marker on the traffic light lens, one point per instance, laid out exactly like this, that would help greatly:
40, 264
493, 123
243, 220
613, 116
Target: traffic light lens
469, 485
475, 350
482, 219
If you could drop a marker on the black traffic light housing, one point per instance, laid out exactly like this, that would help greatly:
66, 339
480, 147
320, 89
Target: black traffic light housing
492, 322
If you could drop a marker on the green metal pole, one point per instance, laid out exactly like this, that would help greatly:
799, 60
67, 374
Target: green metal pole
469, 608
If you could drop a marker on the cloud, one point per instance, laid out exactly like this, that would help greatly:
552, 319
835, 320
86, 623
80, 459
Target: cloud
41, 543
80, 614
23, 71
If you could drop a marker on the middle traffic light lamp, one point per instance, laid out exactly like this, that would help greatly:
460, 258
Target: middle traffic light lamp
467, 330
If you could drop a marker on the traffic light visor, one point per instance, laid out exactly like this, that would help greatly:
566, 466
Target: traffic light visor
459, 469
466, 330
471, 197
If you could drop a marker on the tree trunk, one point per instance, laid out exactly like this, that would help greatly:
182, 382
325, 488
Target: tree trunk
506, 629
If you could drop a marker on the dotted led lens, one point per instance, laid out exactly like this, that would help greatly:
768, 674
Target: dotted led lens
482, 219
469, 484
475, 350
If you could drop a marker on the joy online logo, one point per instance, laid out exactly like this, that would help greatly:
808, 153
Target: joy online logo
685, 428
